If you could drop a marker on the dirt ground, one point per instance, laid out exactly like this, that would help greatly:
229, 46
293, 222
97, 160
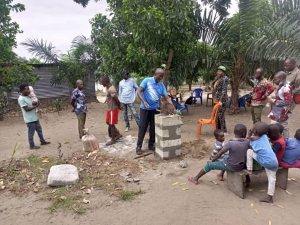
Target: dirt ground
162, 203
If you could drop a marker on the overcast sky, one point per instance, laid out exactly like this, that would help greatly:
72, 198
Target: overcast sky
57, 21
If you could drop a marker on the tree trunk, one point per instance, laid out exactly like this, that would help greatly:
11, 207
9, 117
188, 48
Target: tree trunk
190, 85
237, 78
168, 65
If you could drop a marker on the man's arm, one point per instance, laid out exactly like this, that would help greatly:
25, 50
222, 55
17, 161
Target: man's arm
120, 89
219, 154
297, 84
269, 90
287, 98
28, 108
25, 106
116, 101
72, 102
168, 99
139, 94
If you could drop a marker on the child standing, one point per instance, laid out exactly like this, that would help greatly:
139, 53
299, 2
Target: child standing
236, 159
277, 141
262, 152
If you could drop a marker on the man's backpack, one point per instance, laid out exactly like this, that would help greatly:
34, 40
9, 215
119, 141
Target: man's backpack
189, 101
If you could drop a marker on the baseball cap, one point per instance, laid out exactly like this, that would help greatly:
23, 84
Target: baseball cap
223, 68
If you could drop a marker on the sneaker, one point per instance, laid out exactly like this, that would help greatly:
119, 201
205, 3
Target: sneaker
35, 147
138, 150
127, 129
45, 143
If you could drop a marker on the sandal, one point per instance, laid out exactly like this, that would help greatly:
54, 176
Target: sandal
110, 143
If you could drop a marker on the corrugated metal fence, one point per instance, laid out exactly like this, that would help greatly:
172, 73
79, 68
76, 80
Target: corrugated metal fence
43, 88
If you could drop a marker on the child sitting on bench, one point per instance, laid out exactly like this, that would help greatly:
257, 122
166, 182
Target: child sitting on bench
234, 161
277, 141
262, 152
291, 154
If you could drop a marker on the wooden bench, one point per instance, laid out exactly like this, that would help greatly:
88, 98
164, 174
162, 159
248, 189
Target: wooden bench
235, 180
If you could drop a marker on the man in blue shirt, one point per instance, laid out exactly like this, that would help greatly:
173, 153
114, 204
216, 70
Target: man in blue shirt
78, 101
30, 117
149, 92
127, 95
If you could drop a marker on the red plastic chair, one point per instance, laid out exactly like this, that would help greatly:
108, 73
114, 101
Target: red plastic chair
211, 120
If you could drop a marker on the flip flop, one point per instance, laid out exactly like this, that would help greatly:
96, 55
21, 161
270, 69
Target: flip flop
110, 143
219, 177
191, 179
119, 137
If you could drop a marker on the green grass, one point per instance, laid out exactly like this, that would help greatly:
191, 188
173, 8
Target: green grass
129, 195
65, 199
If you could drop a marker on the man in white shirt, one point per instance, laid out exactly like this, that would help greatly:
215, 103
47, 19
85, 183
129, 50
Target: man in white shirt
127, 94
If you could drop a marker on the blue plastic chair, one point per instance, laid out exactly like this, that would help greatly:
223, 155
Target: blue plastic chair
171, 97
242, 102
197, 93
180, 107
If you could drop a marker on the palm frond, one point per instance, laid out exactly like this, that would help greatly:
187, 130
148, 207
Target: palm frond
41, 50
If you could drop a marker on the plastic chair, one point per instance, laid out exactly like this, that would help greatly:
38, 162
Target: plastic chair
197, 93
211, 120
209, 97
242, 102
180, 107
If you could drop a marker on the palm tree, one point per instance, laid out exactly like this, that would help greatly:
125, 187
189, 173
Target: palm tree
279, 37
78, 63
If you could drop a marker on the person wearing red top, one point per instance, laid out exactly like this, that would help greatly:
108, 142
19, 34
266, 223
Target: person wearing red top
262, 89
277, 141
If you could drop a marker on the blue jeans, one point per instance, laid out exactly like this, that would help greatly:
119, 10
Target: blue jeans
32, 127
134, 113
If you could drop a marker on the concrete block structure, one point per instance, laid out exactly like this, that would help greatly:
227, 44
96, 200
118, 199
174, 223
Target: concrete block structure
168, 136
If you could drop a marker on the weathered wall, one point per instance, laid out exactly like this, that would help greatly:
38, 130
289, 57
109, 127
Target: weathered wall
43, 88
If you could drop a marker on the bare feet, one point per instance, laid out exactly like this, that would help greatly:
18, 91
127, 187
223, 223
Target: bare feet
268, 199
220, 177
192, 179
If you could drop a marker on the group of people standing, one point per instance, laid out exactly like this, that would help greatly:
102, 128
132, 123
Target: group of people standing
149, 92
282, 98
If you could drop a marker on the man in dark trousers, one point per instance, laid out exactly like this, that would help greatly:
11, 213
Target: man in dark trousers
30, 116
78, 101
149, 92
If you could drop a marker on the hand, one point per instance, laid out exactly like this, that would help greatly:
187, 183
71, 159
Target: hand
248, 104
146, 105
120, 107
36, 104
220, 103
269, 100
250, 133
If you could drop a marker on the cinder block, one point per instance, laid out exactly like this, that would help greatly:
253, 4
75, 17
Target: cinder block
168, 136
166, 121
161, 132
